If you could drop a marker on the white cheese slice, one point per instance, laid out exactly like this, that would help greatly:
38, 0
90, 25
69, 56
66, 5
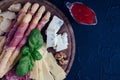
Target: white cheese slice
8, 15
52, 30
51, 39
55, 24
62, 42
15, 7
5, 24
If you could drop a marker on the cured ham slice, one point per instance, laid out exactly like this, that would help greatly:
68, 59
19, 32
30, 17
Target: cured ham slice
16, 39
13, 27
32, 25
16, 23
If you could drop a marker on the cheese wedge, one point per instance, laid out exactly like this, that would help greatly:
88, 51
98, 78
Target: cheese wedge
40, 70
34, 72
46, 74
57, 72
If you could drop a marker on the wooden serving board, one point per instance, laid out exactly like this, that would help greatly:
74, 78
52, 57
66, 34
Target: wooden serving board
65, 28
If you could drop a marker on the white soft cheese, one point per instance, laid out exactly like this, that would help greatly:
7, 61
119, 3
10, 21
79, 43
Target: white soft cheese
5, 20
51, 39
8, 15
62, 42
4, 25
55, 24
52, 30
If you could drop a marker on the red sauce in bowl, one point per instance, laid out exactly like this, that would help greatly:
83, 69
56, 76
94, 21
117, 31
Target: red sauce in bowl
82, 13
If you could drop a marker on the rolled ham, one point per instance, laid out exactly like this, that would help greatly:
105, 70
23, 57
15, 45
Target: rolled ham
16, 23
32, 25
16, 39
13, 27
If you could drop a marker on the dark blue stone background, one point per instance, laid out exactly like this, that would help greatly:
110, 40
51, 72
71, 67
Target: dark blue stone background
97, 47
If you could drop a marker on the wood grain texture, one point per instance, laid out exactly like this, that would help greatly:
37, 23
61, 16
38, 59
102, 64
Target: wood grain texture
65, 28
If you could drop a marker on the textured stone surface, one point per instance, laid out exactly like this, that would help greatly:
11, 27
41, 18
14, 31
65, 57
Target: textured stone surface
97, 47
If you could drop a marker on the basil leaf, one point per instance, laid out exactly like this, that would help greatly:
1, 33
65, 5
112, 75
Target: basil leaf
35, 40
25, 65
25, 50
36, 55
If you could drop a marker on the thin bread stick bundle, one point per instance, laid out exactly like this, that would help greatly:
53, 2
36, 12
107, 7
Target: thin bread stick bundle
14, 25
16, 39
32, 25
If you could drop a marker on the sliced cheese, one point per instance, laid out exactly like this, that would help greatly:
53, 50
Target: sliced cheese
53, 67
34, 72
40, 70
48, 69
8, 15
60, 76
5, 24
46, 74
11, 15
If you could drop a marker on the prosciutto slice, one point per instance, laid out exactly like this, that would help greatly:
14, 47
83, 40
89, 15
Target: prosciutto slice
16, 23
16, 39
32, 25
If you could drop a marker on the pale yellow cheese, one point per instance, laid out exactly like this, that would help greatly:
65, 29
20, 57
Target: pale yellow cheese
46, 74
40, 70
57, 72
34, 72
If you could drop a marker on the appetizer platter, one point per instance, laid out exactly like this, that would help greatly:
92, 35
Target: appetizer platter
36, 41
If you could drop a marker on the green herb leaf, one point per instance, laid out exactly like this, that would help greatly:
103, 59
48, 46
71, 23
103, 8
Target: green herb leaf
25, 50
25, 65
36, 55
35, 40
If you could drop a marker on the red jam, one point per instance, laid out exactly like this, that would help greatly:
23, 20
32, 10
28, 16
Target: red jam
82, 14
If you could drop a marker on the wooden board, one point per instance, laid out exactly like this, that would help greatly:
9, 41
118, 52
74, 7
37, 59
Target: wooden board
65, 28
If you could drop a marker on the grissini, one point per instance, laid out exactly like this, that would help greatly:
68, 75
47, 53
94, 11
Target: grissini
32, 25
16, 23
17, 38
13, 26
